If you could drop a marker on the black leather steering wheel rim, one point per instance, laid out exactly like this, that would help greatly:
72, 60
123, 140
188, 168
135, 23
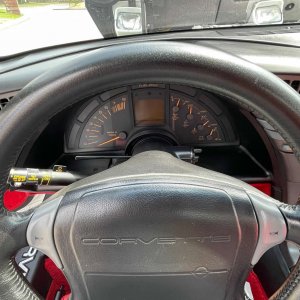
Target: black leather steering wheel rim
248, 85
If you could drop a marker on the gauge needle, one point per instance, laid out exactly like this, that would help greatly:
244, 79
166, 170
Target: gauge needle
109, 141
191, 109
178, 103
212, 131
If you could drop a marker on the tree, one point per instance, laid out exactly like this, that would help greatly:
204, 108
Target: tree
12, 6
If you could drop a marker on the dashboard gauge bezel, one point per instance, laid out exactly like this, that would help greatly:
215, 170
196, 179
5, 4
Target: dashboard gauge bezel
84, 111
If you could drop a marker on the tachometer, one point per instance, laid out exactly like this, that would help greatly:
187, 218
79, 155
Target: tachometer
192, 122
109, 125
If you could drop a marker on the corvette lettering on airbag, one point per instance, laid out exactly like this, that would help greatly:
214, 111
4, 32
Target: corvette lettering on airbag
155, 240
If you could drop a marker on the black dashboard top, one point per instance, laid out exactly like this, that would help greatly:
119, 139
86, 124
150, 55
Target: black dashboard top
274, 56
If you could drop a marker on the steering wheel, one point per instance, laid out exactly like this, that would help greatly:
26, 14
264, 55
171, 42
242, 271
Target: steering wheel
153, 227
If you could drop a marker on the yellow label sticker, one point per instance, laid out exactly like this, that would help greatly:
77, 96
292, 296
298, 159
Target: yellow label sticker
19, 178
32, 177
46, 179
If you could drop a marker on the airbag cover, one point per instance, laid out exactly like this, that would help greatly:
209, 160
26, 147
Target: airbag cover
158, 237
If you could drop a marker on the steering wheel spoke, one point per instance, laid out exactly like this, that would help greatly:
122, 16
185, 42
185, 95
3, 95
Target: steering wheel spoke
292, 217
272, 225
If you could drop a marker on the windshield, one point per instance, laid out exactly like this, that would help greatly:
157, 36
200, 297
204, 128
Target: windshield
32, 24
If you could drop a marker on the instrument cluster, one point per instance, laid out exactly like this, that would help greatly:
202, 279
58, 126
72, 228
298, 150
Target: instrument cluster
116, 119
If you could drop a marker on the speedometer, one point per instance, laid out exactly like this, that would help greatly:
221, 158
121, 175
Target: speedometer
193, 123
109, 125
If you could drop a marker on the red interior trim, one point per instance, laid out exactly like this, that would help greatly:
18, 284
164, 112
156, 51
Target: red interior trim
15, 199
264, 187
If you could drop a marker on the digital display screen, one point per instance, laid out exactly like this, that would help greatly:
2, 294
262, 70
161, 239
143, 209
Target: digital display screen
149, 112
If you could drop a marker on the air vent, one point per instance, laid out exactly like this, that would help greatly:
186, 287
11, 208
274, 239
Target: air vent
5, 98
293, 81
295, 84
3, 102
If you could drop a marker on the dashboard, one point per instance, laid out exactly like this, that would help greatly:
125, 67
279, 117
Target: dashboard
174, 115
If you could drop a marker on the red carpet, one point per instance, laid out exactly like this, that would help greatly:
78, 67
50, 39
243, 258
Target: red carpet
256, 287
13, 200
58, 281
